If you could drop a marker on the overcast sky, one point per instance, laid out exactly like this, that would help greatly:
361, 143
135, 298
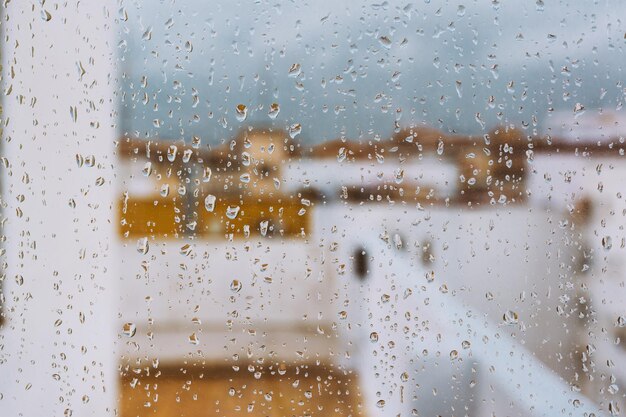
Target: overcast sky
364, 66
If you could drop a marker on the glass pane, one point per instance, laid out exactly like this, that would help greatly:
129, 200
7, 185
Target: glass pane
311, 209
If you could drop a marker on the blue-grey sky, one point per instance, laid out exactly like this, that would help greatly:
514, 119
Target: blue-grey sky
360, 67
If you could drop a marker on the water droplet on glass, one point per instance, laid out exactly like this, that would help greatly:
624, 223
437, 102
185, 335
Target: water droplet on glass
246, 159
46, 16
397, 241
186, 249
399, 175
274, 110
341, 156
73, 113
294, 70
209, 202
231, 212
90, 160
129, 329
373, 337
440, 147
241, 112
385, 41
579, 108
263, 227
147, 35
147, 169
80, 69
123, 14
193, 339
171, 153
294, 130
235, 285
142, 245
510, 317
206, 174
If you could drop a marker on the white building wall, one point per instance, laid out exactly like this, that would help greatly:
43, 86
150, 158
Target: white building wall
601, 179
490, 261
180, 287
328, 175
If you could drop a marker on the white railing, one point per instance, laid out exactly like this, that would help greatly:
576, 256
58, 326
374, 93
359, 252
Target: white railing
444, 358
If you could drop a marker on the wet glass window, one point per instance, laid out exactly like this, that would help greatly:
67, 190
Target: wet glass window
329, 208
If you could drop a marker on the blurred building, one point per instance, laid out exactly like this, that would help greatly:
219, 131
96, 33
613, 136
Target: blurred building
276, 258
